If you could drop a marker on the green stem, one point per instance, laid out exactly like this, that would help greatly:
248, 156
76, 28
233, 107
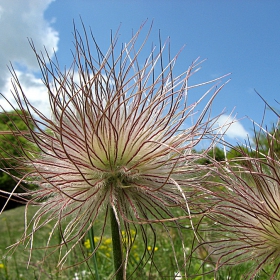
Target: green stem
91, 238
117, 246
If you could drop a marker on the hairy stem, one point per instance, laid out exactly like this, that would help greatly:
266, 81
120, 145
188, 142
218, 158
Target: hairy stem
117, 246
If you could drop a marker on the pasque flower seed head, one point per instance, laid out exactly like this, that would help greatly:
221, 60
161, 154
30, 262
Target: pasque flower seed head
119, 136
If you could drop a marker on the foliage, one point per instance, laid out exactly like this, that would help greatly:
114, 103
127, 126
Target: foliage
215, 153
12, 144
267, 140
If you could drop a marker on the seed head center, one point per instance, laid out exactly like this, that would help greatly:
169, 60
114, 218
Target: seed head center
118, 179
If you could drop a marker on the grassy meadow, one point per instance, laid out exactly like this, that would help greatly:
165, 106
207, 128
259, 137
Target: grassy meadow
15, 265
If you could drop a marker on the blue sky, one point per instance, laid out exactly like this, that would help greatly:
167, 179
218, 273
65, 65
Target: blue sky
237, 37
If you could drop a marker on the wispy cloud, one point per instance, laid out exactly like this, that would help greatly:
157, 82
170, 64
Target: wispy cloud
233, 128
20, 20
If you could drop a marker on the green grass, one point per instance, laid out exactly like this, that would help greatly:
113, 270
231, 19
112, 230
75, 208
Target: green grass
14, 266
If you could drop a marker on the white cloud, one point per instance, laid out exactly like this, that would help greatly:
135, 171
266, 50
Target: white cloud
232, 128
34, 90
20, 20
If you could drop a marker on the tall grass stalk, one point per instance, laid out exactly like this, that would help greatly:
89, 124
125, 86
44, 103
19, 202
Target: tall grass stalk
94, 257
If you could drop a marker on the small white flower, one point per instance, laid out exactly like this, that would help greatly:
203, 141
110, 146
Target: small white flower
178, 276
76, 276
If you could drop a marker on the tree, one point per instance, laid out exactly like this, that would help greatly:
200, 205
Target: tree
216, 153
268, 141
12, 128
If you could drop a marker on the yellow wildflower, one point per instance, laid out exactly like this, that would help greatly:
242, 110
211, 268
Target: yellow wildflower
96, 239
152, 248
108, 241
87, 244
